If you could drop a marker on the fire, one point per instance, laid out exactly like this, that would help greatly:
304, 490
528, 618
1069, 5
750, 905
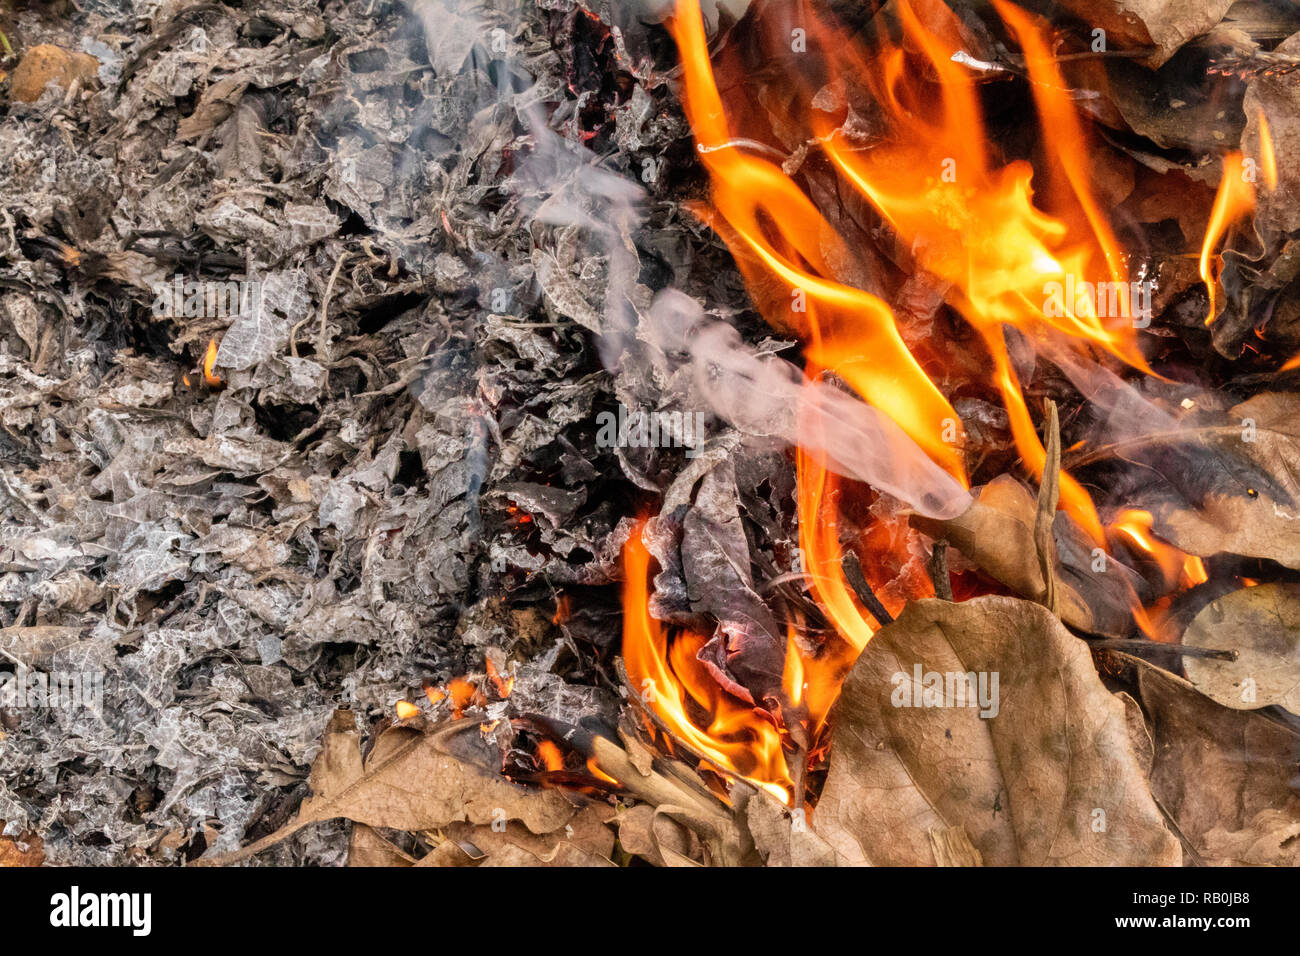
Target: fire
209, 363
1267, 157
968, 219
1178, 568
663, 668
549, 756
1234, 199
1012, 245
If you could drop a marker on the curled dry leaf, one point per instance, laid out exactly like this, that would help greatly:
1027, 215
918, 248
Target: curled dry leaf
1262, 624
584, 841
1226, 777
1049, 777
1164, 25
997, 534
411, 780
1254, 507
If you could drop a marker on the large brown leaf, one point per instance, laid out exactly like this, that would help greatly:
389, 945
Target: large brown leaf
1052, 778
1259, 519
412, 780
1262, 624
1226, 777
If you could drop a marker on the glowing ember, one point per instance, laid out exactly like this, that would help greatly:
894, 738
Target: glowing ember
405, 710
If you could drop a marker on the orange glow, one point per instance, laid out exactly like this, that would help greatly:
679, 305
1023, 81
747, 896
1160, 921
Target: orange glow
549, 756
463, 694
209, 362
663, 668
1267, 159
1234, 199
405, 710
563, 610
435, 694
1178, 568
502, 684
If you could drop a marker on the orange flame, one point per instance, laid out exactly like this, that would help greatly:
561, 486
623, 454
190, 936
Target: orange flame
663, 668
1234, 199
1178, 568
1267, 158
967, 220
209, 363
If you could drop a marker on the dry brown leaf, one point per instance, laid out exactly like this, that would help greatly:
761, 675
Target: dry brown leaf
367, 848
584, 841
1217, 770
411, 781
783, 839
1051, 778
1246, 519
997, 534
1163, 24
642, 831
1262, 624
952, 847
36, 646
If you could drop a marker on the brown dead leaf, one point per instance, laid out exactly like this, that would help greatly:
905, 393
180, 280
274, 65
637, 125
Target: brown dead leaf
411, 781
783, 838
367, 847
1163, 24
952, 847
1241, 516
1224, 776
584, 841
1262, 624
997, 534
642, 832
1050, 778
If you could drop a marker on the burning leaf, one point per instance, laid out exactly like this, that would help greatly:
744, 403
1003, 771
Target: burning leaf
1272, 103
411, 781
1262, 624
1225, 776
1048, 777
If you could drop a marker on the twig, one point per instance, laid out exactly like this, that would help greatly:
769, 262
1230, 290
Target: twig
1049, 494
938, 568
858, 581
1142, 643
